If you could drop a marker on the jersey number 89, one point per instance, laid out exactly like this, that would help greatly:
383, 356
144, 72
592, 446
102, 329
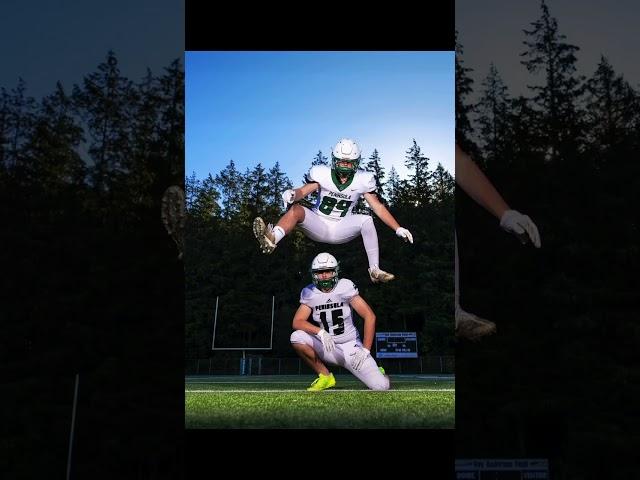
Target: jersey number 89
329, 203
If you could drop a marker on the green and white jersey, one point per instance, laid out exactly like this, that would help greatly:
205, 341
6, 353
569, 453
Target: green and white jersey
331, 310
336, 200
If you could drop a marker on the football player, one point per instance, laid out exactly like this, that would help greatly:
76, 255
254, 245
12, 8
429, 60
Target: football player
330, 220
331, 337
471, 179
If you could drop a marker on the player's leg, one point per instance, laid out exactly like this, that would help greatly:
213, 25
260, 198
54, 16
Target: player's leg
314, 227
269, 236
310, 349
303, 344
467, 324
369, 373
362, 225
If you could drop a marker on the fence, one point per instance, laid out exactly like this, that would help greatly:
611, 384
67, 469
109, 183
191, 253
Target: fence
261, 365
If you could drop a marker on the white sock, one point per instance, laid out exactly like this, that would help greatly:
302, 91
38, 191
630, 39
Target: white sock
278, 233
370, 240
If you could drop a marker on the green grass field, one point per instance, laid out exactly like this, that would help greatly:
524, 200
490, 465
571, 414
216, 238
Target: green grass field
414, 401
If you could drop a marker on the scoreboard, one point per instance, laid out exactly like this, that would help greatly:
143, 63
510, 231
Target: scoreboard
396, 345
502, 469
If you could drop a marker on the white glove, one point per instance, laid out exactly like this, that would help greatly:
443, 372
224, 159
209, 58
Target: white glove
521, 225
404, 234
287, 197
327, 340
359, 356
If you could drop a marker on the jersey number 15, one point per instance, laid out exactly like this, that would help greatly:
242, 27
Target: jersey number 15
337, 322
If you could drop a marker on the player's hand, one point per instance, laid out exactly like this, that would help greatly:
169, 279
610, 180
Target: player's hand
327, 340
520, 225
404, 234
359, 356
287, 197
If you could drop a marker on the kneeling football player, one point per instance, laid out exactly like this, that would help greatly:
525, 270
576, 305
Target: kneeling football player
331, 337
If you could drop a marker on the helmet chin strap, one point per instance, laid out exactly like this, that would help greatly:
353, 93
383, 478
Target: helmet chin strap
326, 283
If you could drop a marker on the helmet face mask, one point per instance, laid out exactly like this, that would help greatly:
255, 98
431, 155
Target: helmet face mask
324, 283
345, 150
324, 262
342, 170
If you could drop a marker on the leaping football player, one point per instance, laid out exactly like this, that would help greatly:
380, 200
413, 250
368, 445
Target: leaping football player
330, 220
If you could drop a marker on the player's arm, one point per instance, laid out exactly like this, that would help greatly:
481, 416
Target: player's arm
385, 215
293, 195
381, 211
477, 185
300, 320
305, 190
300, 323
364, 310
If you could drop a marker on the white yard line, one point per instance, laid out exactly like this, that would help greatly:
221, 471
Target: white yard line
328, 390
300, 382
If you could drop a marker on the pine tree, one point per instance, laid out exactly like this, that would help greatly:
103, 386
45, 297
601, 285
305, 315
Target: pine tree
259, 189
52, 149
464, 129
523, 130
419, 184
320, 159
19, 122
493, 114
559, 96
277, 183
230, 183
171, 126
373, 165
393, 186
191, 188
610, 107
247, 206
104, 102
4, 127
146, 152
443, 185
202, 198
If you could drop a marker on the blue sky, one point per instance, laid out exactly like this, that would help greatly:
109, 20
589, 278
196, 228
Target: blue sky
44, 41
492, 31
285, 106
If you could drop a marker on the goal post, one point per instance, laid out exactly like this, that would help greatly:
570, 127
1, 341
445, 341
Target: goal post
243, 349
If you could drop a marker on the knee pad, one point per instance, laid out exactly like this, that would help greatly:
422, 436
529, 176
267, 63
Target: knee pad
382, 385
300, 336
368, 221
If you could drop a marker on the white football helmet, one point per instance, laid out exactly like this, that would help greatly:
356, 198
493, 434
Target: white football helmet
324, 261
346, 149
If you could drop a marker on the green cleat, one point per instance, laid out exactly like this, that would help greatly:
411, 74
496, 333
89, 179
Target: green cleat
381, 370
322, 383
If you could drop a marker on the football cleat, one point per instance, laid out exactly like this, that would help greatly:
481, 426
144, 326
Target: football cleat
471, 326
380, 276
322, 383
265, 236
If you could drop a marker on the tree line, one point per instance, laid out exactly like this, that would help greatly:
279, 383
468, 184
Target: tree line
222, 258
91, 283
565, 153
